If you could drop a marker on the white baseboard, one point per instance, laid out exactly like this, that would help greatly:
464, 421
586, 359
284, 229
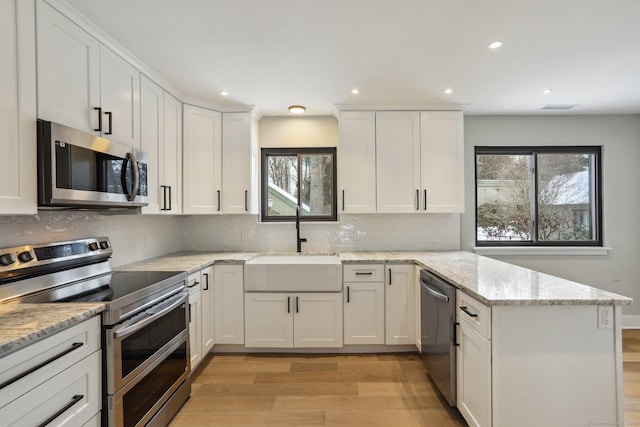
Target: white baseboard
630, 322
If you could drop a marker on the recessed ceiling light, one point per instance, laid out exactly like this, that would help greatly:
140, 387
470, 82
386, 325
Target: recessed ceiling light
495, 44
355, 91
224, 93
546, 91
448, 91
297, 109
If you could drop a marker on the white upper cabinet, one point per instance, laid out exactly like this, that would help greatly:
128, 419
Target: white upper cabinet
442, 161
120, 98
357, 162
202, 161
398, 161
83, 84
239, 164
152, 138
171, 157
68, 71
18, 193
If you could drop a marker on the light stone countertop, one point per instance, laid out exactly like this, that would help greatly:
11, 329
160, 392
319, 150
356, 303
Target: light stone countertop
24, 324
490, 281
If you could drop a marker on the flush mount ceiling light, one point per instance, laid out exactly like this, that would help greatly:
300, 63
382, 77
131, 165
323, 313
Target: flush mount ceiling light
297, 109
355, 91
496, 44
224, 93
448, 91
546, 91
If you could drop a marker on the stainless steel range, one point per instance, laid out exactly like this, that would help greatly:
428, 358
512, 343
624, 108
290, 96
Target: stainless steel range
145, 337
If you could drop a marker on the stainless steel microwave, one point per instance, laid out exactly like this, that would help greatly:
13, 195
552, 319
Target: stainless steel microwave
80, 170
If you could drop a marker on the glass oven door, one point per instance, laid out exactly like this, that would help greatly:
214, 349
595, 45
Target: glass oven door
139, 342
140, 400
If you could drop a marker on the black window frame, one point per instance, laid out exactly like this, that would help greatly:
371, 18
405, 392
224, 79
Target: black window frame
264, 183
533, 151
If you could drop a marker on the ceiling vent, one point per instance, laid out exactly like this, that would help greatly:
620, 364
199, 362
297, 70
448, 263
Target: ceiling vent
559, 106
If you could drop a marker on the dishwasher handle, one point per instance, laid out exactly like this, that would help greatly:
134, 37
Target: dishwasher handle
434, 292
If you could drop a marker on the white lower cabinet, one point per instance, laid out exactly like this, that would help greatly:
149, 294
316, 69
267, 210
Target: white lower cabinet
228, 296
363, 304
195, 320
293, 320
208, 318
400, 315
473, 356
66, 391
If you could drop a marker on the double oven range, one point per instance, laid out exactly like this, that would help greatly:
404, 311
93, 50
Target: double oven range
145, 337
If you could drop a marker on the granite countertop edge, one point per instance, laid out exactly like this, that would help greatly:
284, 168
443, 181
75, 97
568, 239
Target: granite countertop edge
465, 270
51, 318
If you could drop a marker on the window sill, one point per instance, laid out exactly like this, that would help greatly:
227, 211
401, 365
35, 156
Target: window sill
548, 250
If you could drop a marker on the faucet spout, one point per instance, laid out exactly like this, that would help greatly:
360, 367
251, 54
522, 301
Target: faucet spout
299, 240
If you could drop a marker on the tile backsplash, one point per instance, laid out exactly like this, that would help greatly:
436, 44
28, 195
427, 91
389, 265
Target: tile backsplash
137, 237
133, 237
351, 233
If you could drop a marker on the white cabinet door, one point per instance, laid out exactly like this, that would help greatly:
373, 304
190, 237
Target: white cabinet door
68, 71
357, 162
195, 320
171, 157
202, 162
228, 296
269, 320
120, 98
18, 193
364, 313
206, 290
239, 164
400, 306
442, 161
398, 161
474, 375
152, 138
317, 320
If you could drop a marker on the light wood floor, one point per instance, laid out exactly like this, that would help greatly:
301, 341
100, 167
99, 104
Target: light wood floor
363, 390
366, 390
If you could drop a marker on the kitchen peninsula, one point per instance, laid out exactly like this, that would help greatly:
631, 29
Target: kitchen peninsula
551, 358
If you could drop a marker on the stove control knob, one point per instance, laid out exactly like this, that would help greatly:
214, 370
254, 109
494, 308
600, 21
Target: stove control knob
7, 259
104, 244
93, 246
25, 256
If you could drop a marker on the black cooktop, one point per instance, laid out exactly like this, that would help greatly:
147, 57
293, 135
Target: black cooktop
121, 284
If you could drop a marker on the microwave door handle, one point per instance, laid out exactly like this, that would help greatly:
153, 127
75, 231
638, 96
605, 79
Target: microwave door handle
136, 177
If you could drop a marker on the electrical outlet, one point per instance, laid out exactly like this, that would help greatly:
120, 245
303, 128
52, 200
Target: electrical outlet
605, 317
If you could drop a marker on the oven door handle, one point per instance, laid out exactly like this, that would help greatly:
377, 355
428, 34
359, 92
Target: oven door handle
129, 329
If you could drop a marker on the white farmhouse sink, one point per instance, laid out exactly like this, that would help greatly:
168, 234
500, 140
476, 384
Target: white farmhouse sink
293, 273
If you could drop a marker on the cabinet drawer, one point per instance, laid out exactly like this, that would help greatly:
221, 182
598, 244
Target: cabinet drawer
54, 353
70, 398
363, 273
193, 283
476, 314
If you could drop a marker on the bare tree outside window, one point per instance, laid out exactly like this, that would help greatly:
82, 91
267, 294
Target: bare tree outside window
304, 178
537, 195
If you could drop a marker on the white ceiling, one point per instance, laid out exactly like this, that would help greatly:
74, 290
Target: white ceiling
274, 53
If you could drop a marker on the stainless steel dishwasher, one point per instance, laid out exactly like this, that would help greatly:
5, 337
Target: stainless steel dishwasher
438, 332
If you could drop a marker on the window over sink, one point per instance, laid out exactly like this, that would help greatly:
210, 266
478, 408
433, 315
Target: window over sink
538, 196
303, 178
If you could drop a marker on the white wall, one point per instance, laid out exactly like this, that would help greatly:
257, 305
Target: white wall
316, 131
352, 233
133, 237
620, 138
